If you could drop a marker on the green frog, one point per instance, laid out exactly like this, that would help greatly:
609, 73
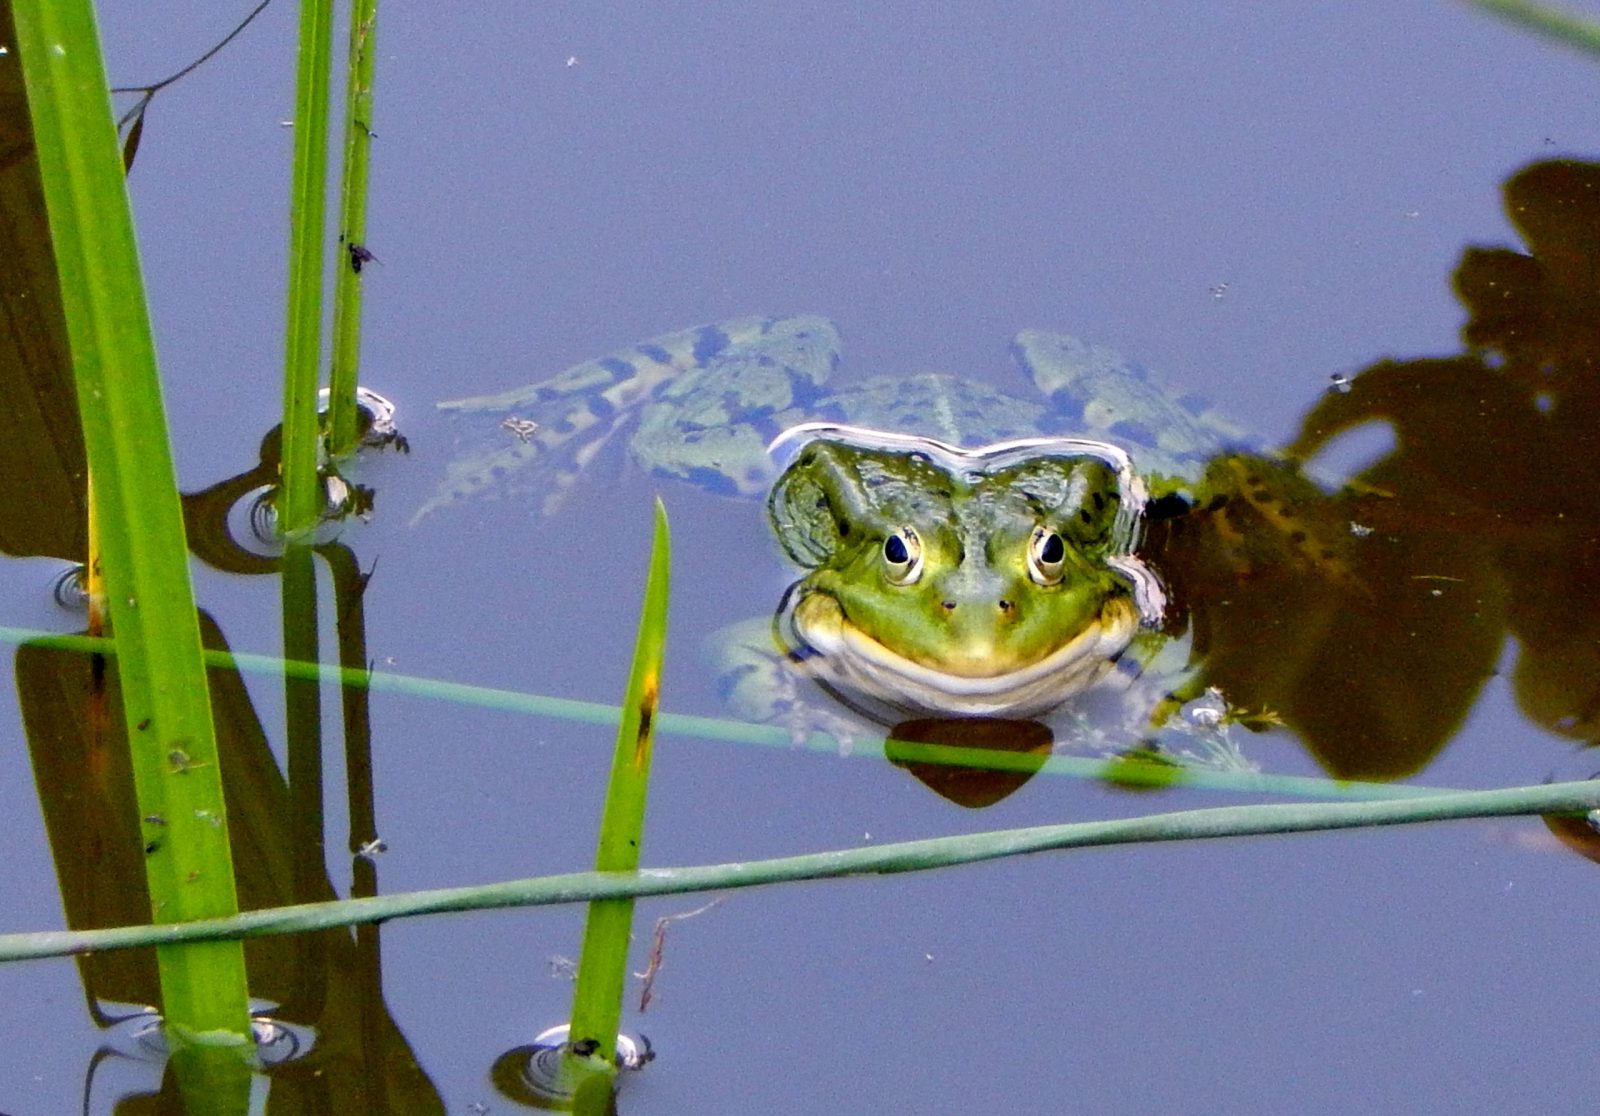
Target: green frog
969, 552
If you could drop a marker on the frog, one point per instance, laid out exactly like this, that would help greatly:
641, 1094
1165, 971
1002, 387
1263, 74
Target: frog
996, 581
966, 551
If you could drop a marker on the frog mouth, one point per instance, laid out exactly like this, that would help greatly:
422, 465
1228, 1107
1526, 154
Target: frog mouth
826, 645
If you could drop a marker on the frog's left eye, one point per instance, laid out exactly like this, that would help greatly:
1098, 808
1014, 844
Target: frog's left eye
1047, 556
902, 556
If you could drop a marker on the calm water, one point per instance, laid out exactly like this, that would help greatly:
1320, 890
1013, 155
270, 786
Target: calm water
1252, 201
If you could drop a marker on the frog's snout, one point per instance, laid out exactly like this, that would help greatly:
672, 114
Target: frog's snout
1002, 604
977, 631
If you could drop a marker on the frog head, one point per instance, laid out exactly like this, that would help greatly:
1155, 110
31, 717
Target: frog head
995, 582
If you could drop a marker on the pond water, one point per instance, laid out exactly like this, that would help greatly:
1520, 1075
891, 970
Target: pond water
1252, 201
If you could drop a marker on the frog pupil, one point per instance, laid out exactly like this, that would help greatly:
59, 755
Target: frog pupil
1053, 549
894, 551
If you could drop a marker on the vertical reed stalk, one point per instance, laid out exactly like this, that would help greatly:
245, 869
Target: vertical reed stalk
300, 499
139, 523
342, 426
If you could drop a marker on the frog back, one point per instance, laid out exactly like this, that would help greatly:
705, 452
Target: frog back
1096, 392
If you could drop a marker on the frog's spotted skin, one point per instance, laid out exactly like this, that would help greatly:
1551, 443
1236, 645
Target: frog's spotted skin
968, 552
707, 402
1099, 393
995, 582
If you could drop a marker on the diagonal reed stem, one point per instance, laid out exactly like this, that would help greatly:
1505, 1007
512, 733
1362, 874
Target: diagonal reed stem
906, 856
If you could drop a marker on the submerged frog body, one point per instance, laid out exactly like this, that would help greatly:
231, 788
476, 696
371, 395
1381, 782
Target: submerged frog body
702, 405
969, 552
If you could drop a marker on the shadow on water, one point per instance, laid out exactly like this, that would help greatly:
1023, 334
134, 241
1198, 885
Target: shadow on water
1485, 517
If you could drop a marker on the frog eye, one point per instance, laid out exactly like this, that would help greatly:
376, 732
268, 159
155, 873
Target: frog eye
1047, 554
902, 556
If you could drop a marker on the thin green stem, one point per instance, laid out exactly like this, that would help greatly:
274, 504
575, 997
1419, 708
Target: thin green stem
300, 501
905, 856
723, 730
342, 425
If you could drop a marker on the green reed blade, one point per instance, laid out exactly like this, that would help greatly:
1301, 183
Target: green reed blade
342, 426
1553, 23
603, 963
138, 515
300, 495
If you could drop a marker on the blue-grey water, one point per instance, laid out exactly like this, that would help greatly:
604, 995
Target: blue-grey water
1250, 198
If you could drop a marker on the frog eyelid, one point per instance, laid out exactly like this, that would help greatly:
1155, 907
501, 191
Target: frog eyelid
902, 556
1047, 555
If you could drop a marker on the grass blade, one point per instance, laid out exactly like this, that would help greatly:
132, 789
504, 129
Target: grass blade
1553, 23
342, 426
603, 963
138, 515
300, 495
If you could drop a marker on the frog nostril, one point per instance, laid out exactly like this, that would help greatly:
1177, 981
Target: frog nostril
1006, 606
949, 606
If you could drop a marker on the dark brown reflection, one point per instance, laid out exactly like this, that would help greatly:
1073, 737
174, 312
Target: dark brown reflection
42, 506
972, 761
328, 981
1498, 450
1366, 629
1576, 834
1369, 618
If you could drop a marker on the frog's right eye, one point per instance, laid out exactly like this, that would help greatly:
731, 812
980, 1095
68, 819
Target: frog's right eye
1047, 556
902, 556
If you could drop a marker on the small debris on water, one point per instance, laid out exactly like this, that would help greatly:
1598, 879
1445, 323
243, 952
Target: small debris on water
521, 427
1339, 384
658, 945
371, 849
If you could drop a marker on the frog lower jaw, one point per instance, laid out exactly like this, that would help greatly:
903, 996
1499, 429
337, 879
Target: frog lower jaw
837, 653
